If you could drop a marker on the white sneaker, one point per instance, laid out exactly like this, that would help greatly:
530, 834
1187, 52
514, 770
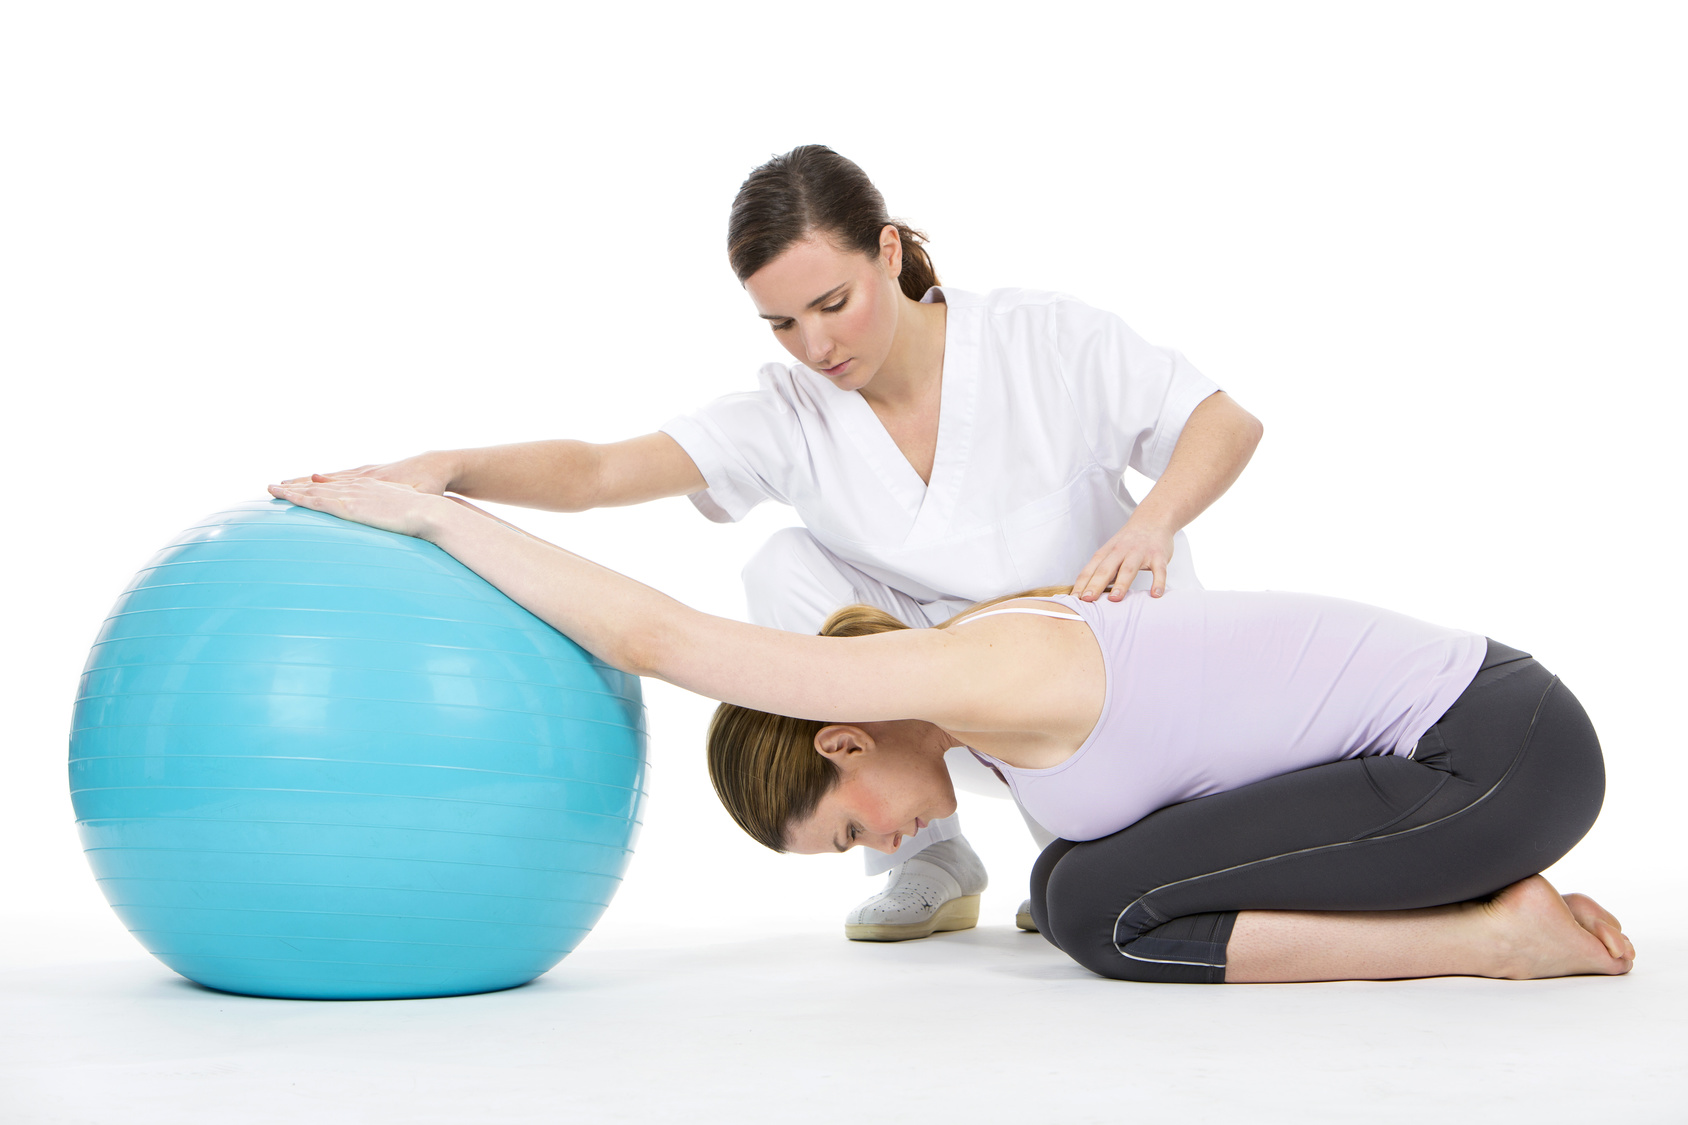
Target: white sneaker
934, 890
1023, 917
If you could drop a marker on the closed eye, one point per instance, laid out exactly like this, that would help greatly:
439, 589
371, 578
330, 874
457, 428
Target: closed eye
785, 325
782, 323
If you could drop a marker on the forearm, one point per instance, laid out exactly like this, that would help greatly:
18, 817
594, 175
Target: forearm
572, 476
642, 631
619, 620
906, 673
556, 476
1213, 448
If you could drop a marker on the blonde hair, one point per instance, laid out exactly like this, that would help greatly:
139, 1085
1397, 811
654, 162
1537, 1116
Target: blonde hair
765, 768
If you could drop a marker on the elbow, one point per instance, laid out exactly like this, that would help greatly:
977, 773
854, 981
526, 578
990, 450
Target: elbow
580, 483
1226, 423
647, 648
638, 652
1246, 429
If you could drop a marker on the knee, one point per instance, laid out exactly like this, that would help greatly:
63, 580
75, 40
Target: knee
1073, 912
790, 584
1080, 927
1042, 868
1091, 912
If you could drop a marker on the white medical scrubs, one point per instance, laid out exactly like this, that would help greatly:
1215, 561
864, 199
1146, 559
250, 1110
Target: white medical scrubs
1045, 403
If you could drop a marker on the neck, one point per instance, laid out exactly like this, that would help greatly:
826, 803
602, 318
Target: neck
929, 740
947, 740
914, 369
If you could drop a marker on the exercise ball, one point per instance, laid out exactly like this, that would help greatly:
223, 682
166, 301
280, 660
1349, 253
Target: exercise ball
315, 760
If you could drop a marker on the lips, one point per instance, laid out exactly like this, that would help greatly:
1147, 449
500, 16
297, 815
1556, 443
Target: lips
835, 369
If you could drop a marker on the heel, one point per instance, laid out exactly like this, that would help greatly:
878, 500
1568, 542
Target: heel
957, 914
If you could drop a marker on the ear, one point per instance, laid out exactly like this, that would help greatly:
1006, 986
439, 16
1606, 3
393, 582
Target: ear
891, 250
842, 744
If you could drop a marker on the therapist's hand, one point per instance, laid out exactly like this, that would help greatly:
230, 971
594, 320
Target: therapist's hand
378, 503
1135, 547
426, 472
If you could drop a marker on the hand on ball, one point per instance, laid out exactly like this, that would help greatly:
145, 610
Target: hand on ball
367, 500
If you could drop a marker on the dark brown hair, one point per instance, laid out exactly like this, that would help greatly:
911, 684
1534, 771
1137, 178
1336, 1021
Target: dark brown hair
764, 767
810, 190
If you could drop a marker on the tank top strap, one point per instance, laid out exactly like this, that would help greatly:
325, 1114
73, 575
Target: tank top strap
1064, 616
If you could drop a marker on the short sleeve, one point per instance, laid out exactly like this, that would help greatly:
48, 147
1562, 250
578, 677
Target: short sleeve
743, 445
1132, 398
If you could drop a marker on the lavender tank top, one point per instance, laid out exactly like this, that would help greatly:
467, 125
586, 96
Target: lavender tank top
1210, 690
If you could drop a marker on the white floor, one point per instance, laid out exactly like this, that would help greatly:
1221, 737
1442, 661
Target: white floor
988, 1025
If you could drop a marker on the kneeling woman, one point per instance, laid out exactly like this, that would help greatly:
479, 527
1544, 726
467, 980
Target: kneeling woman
1249, 786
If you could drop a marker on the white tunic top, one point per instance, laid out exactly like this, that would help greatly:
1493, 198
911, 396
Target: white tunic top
1045, 402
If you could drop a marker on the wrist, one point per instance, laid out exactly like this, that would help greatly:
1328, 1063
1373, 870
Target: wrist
1149, 521
451, 466
444, 520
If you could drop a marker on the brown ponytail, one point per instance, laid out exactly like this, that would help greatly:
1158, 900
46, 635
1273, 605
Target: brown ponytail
764, 767
809, 190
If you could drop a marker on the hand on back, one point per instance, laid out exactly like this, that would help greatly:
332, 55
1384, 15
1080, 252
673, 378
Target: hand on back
1116, 564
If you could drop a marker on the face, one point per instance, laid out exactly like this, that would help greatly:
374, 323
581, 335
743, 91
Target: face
888, 789
834, 310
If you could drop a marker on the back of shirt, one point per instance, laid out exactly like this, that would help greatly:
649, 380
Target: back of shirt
1210, 690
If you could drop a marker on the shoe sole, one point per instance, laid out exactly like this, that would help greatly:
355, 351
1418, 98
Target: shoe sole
1024, 921
956, 914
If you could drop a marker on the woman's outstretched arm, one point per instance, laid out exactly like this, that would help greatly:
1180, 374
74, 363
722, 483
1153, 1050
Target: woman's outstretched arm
918, 673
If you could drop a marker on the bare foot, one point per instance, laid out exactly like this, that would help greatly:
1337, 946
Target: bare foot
1597, 920
1540, 934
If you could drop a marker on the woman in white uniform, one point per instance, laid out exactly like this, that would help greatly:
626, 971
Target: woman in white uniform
941, 448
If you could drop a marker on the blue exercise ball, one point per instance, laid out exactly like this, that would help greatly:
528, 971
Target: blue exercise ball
315, 760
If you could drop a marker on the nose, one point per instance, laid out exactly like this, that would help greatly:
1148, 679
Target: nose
888, 842
817, 346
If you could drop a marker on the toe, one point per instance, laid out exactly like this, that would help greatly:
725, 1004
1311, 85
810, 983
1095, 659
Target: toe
1611, 938
1586, 911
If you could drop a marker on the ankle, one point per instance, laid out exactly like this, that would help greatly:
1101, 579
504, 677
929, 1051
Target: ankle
1499, 944
957, 857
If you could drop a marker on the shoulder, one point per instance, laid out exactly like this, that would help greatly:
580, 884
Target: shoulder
768, 426
1033, 303
1047, 314
781, 389
783, 381
1007, 302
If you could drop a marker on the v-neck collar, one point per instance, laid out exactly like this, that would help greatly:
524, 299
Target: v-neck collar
929, 504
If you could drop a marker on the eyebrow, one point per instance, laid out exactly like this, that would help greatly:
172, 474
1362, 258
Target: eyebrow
821, 300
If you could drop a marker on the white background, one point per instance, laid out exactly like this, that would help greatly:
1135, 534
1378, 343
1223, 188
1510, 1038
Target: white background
1437, 248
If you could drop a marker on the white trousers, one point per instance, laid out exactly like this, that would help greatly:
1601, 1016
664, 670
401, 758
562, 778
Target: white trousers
794, 583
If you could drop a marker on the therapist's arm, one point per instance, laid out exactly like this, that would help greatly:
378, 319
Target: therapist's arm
1214, 446
557, 476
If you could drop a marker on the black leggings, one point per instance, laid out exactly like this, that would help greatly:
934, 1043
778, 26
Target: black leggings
1506, 782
